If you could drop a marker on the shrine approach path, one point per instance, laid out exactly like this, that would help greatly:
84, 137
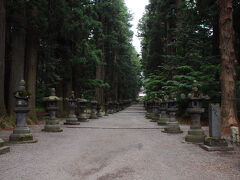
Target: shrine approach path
122, 146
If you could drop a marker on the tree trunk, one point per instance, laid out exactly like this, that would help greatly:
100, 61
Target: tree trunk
100, 74
228, 64
17, 55
2, 54
31, 64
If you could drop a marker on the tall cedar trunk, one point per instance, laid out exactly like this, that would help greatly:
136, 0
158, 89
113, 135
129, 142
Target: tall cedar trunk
228, 64
31, 64
2, 54
17, 56
100, 74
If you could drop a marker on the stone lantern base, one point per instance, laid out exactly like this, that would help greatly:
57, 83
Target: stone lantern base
173, 128
52, 126
3, 149
72, 121
82, 117
22, 138
195, 136
99, 115
215, 144
163, 121
93, 116
147, 116
154, 117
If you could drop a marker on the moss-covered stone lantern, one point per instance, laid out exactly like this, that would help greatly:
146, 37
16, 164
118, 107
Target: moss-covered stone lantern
52, 124
195, 133
110, 107
155, 109
94, 109
21, 133
82, 106
99, 110
72, 118
106, 109
172, 125
163, 118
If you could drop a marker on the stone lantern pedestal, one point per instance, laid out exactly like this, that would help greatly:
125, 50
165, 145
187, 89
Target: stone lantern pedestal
52, 124
3, 149
21, 133
195, 133
163, 119
110, 107
93, 110
72, 118
172, 125
82, 105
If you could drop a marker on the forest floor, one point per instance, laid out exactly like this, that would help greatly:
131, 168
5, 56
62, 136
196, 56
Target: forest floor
123, 146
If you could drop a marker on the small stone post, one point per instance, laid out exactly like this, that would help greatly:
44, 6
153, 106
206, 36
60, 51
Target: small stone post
195, 133
72, 118
3, 149
94, 110
215, 142
21, 133
82, 105
52, 124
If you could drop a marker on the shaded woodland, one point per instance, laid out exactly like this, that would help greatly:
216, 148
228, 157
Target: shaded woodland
83, 46
186, 40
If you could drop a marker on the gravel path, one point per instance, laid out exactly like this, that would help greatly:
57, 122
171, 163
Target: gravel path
122, 146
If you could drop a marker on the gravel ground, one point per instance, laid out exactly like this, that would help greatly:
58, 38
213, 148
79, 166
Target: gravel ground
122, 146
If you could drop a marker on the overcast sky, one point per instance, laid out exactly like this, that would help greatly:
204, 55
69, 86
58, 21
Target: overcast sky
137, 8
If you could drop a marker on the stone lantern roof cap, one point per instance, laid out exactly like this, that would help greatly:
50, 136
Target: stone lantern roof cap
22, 93
52, 97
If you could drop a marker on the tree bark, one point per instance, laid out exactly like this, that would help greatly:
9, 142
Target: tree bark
228, 64
17, 55
100, 74
2, 54
31, 64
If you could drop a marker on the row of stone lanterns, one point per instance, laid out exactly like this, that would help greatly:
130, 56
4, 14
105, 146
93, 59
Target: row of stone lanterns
163, 111
22, 134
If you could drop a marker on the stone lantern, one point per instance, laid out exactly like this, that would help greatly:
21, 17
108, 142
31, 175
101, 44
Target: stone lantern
195, 133
3, 149
106, 109
82, 106
155, 108
149, 109
94, 109
21, 133
114, 106
163, 119
52, 124
172, 125
99, 110
72, 118
110, 107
